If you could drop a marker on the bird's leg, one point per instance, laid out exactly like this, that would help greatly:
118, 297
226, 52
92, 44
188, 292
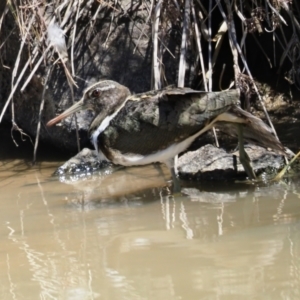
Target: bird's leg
171, 164
244, 158
175, 164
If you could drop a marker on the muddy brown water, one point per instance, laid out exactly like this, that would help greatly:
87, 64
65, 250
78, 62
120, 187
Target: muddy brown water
122, 236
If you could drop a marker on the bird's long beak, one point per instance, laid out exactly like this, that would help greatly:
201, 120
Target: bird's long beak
73, 109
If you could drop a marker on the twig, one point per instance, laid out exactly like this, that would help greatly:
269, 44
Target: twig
17, 128
93, 19
295, 23
244, 26
219, 37
110, 25
34, 69
276, 13
73, 38
69, 11
3, 15
287, 50
209, 47
15, 86
210, 82
7, 37
14, 73
185, 32
156, 78
202, 8
221, 78
263, 51
232, 33
159, 39
40, 114
232, 36
284, 170
59, 9
283, 35
273, 34
198, 41
57, 40
176, 4
75, 116
146, 22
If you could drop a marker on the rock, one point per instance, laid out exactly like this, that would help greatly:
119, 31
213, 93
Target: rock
211, 163
206, 163
84, 164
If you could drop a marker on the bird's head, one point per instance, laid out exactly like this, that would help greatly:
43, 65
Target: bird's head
104, 96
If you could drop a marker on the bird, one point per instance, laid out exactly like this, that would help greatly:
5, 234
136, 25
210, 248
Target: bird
155, 126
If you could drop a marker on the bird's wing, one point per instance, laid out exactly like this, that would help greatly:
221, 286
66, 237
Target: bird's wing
155, 120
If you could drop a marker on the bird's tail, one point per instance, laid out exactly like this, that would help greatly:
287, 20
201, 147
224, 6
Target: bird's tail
254, 129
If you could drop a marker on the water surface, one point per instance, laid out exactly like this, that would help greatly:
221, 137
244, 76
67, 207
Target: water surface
123, 236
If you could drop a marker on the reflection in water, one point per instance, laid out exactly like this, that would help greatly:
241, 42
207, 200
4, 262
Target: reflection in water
124, 236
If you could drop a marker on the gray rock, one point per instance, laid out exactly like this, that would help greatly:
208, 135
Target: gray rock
84, 164
208, 163
213, 163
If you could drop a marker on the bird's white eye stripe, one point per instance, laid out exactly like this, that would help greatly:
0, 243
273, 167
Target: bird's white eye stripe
108, 87
99, 87
96, 91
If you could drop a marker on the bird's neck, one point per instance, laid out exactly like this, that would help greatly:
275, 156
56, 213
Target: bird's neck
108, 108
104, 116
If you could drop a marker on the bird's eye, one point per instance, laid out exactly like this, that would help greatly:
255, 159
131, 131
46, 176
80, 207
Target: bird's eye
96, 93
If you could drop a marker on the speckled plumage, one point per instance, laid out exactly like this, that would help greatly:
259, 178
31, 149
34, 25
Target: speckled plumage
153, 121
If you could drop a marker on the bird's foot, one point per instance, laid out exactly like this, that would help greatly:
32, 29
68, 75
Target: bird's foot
246, 162
176, 186
244, 157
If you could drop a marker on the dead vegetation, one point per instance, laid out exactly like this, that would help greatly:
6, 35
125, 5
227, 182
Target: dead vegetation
200, 29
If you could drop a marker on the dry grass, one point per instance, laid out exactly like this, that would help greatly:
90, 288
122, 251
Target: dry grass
43, 25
